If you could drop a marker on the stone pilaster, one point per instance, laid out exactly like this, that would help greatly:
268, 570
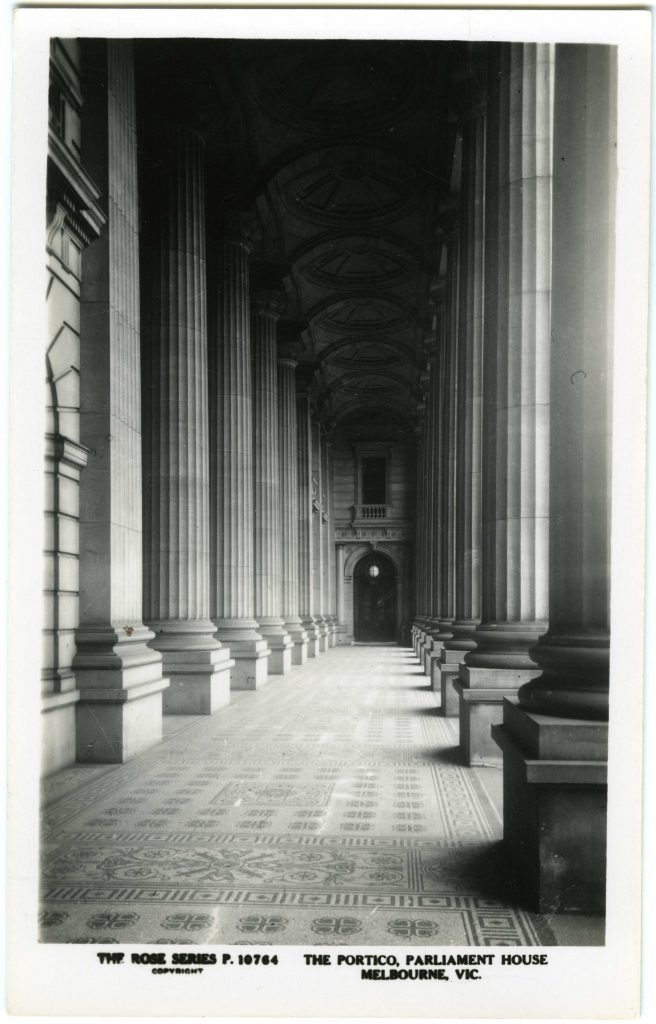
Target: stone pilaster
119, 676
74, 219
305, 513
231, 461
467, 582
554, 735
288, 457
515, 465
267, 305
176, 506
340, 562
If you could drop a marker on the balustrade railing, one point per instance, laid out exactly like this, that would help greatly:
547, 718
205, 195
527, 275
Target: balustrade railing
371, 513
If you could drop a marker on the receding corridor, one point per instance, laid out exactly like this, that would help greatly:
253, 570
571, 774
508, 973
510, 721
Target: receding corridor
328, 807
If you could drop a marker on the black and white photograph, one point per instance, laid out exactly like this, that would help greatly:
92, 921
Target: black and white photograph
335, 508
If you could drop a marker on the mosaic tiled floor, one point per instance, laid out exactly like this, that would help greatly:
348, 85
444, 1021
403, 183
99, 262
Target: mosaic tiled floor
328, 807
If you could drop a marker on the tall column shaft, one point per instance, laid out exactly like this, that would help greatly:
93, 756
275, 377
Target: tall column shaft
318, 530
516, 379
574, 652
267, 306
328, 567
289, 532
467, 429
555, 825
420, 534
231, 462
448, 396
469, 372
517, 344
305, 529
176, 441
118, 674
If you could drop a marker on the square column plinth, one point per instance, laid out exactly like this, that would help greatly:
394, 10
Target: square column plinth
481, 694
119, 677
343, 639
554, 808
444, 676
433, 661
280, 658
251, 668
114, 726
300, 651
199, 681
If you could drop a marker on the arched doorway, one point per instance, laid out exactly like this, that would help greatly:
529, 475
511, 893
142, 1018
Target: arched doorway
374, 582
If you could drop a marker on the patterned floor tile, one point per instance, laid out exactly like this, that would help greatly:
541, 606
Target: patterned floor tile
320, 809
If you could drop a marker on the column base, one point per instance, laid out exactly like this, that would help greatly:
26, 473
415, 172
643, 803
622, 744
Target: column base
199, 681
299, 640
433, 660
280, 658
58, 730
312, 631
119, 676
197, 666
250, 670
481, 695
249, 650
343, 639
323, 635
554, 808
446, 675
280, 646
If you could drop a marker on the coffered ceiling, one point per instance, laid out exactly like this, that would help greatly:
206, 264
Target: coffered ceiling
344, 152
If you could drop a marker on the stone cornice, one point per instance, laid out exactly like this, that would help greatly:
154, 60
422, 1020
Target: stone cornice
70, 185
63, 449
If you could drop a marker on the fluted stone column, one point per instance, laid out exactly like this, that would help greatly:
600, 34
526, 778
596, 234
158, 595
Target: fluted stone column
305, 513
445, 449
420, 535
515, 483
467, 582
555, 813
267, 306
289, 501
231, 461
432, 469
432, 646
318, 531
327, 531
119, 676
176, 443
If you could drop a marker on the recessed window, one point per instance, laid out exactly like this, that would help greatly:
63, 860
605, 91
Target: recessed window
373, 571
374, 482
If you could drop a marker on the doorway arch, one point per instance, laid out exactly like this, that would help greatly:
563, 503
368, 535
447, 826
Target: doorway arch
374, 584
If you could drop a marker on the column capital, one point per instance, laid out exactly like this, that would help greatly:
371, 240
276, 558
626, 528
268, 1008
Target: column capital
269, 300
237, 226
305, 371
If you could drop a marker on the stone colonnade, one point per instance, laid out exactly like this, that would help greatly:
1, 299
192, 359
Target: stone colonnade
194, 561
525, 360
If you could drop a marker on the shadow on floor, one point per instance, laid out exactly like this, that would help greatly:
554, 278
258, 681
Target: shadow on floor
450, 755
486, 869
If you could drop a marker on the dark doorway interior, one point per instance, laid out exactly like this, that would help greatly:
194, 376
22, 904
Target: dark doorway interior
375, 599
